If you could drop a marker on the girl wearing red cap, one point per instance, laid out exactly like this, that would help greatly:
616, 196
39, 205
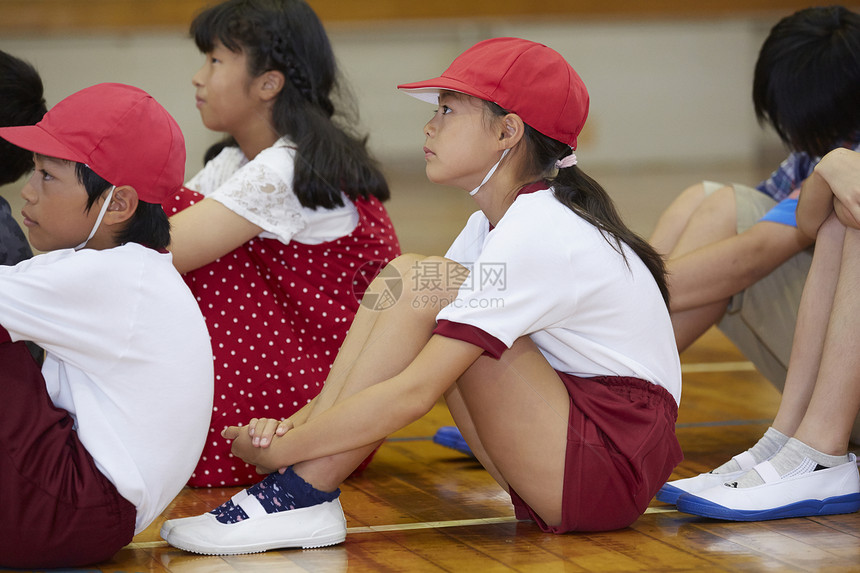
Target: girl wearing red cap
545, 327
280, 233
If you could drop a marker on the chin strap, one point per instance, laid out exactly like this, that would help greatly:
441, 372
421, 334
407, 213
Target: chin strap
490, 174
99, 219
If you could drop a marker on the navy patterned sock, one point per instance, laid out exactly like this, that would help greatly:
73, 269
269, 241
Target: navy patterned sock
277, 492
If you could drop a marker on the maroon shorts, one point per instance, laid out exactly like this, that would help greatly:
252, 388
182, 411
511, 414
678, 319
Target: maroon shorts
621, 448
56, 508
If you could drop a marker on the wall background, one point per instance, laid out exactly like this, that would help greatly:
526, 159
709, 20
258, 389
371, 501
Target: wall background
670, 82
660, 91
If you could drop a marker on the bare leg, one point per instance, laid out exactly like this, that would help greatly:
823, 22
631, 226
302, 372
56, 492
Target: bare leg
836, 398
463, 419
689, 325
379, 345
813, 317
517, 408
674, 220
714, 219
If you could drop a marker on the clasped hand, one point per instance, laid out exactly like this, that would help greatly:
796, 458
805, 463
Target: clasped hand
249, 440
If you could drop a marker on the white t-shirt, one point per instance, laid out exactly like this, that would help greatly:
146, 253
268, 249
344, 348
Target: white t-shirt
127, 355
547, 273
261, 191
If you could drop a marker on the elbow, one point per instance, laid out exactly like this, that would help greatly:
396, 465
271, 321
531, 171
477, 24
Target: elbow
418, 405
415, 402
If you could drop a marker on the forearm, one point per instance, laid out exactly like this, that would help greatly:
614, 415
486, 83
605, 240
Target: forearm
364, 418
205, 232
304, 412
370, 414
718, 271
814, 205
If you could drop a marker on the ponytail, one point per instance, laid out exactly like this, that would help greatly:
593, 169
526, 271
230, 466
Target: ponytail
585, 197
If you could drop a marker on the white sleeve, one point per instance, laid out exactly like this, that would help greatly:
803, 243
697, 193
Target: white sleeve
510, 290
261, 192
468, 244
47, 300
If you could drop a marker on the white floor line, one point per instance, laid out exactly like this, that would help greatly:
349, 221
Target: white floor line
415, 526
461, 523
717, 367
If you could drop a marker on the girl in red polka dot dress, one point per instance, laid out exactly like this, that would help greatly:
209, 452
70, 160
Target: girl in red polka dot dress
281, 232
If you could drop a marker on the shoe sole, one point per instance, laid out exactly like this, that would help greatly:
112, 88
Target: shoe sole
315, 542
809, 507
669, 494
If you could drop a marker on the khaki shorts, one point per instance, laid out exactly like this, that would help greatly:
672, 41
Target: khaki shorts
760, 320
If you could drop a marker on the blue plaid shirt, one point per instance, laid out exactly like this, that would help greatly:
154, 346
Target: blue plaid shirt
787, 179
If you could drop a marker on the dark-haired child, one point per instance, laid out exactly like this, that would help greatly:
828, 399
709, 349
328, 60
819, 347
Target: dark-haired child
812, 473
739, 258
735, 257
95, 445
282, 231
22, 102
546, 329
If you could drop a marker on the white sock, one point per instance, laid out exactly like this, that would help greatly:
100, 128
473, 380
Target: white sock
795, 458
769, 444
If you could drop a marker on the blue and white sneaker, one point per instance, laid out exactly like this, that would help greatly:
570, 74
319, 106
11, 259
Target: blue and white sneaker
826, 491
671, 491
450, 437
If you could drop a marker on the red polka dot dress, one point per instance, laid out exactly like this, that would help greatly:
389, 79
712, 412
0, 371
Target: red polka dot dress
277, 312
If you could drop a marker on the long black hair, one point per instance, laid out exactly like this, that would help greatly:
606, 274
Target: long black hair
807, 79
585, 197
287, 36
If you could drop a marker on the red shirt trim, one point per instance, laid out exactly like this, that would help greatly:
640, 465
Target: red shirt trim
473, 335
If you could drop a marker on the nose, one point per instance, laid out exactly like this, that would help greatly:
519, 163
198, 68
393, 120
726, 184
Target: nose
28, 193
429, 128
195, 79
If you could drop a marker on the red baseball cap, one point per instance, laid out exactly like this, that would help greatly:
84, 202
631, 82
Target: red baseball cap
523, 77
119, 131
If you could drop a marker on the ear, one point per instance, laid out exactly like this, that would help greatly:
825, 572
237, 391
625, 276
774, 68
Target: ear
512, 130
270, 84
122, 206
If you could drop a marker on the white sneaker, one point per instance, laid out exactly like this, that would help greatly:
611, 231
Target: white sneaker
671, 491
316, 526
168, 525
822, 492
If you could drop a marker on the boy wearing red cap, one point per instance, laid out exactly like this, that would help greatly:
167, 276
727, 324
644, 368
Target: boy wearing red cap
546, 328
95, 446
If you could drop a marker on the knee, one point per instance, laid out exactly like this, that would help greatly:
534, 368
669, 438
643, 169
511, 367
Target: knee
833, 234
720, 200
419, 284
716, 216
425, 272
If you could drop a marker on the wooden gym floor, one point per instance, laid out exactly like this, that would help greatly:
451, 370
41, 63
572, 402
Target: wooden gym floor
422, 507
